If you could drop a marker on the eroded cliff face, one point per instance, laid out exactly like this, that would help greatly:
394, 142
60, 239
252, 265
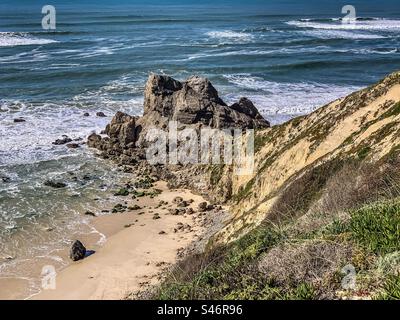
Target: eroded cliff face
363, 127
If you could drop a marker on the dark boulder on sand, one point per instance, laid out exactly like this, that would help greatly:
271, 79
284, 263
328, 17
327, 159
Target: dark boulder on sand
78, 251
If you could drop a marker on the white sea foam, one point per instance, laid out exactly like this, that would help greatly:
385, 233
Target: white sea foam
227, 36
12, 39
278, 101
340, 34
370, 25
288, 50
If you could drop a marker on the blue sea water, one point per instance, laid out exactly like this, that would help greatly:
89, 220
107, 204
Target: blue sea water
288, 56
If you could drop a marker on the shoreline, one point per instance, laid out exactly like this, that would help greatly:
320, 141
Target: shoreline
138, 250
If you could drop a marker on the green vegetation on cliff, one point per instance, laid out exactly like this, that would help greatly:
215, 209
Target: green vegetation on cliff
267, 263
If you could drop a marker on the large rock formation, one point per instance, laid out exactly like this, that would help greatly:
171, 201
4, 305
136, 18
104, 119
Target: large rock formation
194, 102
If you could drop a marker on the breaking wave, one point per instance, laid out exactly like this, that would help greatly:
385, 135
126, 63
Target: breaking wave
12, 39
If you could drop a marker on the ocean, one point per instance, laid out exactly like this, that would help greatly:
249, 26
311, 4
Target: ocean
289, 57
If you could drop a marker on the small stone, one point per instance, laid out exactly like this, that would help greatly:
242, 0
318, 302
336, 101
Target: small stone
8, 258
189, 211
162, 232
101, 114
210, 207
202, 206
19, 120
5, 179
54, 184
160, 264
90, 213
134, 207
122, 192
182, 204
177, 200
174, 212
86, 114
72, 145
119, 208
63, 140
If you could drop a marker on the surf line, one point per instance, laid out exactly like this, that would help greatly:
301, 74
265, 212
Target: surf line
168, 310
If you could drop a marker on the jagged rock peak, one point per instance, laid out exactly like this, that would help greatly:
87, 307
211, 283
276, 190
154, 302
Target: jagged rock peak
194, 101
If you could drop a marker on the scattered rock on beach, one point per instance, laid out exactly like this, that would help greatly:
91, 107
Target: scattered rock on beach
86, 114
63, 140
100, 114
78, 251
19, 120
174, 212
72, 145
55, 184
122, 192
8, 258
202, 206
183, 204
177, 200
90, 213
134, 207
119, 208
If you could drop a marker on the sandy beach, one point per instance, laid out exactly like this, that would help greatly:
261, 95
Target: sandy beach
139, 249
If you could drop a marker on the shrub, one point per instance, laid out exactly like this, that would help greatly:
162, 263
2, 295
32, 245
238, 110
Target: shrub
299, 194
226, 272
391, 289
358, 184
377, 227
313, 262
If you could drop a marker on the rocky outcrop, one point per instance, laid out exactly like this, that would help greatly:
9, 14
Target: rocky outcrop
196, 101
122, 129
193, 103
78, 251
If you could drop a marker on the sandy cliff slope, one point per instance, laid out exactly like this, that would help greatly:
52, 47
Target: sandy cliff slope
364, 126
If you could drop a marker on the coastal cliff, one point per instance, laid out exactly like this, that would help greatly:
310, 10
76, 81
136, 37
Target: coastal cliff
323, 195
